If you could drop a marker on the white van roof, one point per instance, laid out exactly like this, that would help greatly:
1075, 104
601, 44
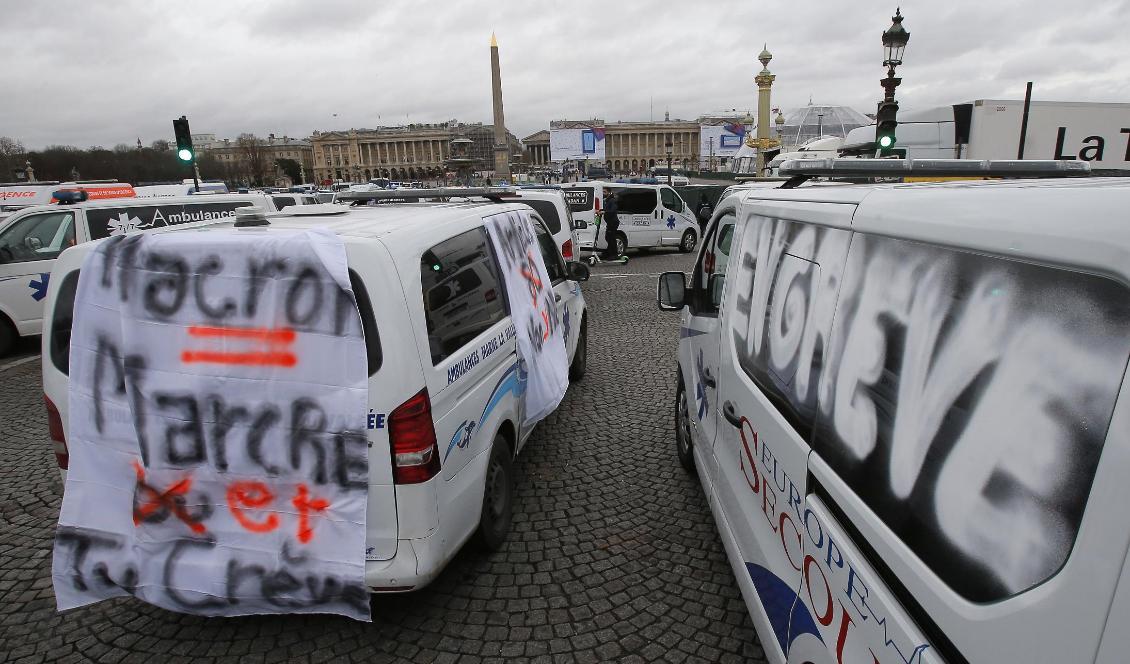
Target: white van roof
1077, 223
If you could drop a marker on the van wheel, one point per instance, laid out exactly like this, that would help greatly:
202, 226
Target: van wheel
621, 244
8, 336
688, 242
580, 356
683, 445
498, 497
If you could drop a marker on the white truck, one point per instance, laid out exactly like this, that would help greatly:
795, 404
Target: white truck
1098, 133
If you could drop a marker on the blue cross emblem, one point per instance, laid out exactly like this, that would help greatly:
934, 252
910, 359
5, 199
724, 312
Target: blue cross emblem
671, 221
700, 389
39, 286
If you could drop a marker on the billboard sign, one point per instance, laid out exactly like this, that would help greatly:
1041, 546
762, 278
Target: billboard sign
721, 140
576, 142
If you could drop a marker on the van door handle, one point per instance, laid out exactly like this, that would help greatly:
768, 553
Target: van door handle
556, 297
708, 378
731, 414
657, 214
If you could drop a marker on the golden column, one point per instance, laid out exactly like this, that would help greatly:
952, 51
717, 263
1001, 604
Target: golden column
764, 82
501, 144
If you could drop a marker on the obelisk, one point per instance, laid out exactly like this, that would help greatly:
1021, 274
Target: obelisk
501, 145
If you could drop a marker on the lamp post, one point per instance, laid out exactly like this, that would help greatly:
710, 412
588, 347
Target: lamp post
669, 146
780, 122
819, 124
894, 43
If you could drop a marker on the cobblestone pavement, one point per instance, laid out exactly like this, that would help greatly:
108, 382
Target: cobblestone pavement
613, 555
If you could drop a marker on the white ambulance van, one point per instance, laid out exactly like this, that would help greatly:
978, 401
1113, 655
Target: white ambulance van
445, 385
905, 404
651, 215
32, 238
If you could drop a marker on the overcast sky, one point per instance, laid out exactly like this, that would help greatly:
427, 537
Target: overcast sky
101, 73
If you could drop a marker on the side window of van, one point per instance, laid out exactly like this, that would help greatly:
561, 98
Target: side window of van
37, 237
966, 400
671, 200
462, 293
554, 265
283, 201
710, 271
636, 201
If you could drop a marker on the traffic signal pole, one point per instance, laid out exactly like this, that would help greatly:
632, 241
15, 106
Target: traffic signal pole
185, 151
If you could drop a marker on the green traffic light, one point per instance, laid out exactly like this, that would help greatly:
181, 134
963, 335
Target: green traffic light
886, 141
185, 154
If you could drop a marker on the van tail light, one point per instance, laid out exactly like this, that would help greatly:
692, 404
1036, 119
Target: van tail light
412, 437
567, 250
596, 203
55, 428
491, 295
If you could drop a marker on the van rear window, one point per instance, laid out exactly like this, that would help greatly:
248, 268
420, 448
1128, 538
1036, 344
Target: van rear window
548, 212
368, 322
61, 320
579, 198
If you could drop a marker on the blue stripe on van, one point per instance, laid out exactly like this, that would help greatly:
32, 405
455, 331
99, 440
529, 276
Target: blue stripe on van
778, 599
511, 383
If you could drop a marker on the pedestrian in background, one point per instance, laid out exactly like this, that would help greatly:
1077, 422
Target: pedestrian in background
611, 224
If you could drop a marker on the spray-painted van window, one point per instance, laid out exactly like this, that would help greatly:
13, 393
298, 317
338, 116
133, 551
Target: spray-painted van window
964, 398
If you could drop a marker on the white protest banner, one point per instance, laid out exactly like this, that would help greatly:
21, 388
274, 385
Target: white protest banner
217, 403
534, 311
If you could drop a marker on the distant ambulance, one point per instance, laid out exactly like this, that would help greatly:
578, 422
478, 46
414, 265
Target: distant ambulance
18, 195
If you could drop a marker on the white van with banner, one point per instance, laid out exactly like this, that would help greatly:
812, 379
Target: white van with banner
214, 374
906, 405
651, 216
32, 238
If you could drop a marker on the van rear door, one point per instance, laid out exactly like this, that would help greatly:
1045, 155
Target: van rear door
394, 379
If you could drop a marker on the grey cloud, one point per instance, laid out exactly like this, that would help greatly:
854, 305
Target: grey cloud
106, 73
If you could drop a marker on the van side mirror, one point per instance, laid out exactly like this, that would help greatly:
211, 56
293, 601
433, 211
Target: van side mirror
577, 271
578, 224
672, 291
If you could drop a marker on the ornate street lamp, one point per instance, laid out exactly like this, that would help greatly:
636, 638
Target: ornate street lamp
780, 122
894, 43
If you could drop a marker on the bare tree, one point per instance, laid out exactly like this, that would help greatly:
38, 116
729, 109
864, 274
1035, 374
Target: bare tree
12, 156
252, 155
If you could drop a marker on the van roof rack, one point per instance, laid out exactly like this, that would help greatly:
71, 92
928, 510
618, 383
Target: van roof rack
406, 195
801, 170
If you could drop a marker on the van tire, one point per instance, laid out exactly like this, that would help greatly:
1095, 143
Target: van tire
498, 497
621, 244
687, 244
684, 447
8, 335
581, 354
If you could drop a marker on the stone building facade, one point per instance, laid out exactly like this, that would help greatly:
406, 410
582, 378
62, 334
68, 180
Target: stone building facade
537, 148
412, 152
637, 146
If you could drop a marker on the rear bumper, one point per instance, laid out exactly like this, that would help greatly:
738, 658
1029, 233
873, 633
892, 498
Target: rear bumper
416, 564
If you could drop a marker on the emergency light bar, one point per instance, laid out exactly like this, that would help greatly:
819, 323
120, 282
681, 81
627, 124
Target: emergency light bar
414, 195
70, 196
1007, 168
